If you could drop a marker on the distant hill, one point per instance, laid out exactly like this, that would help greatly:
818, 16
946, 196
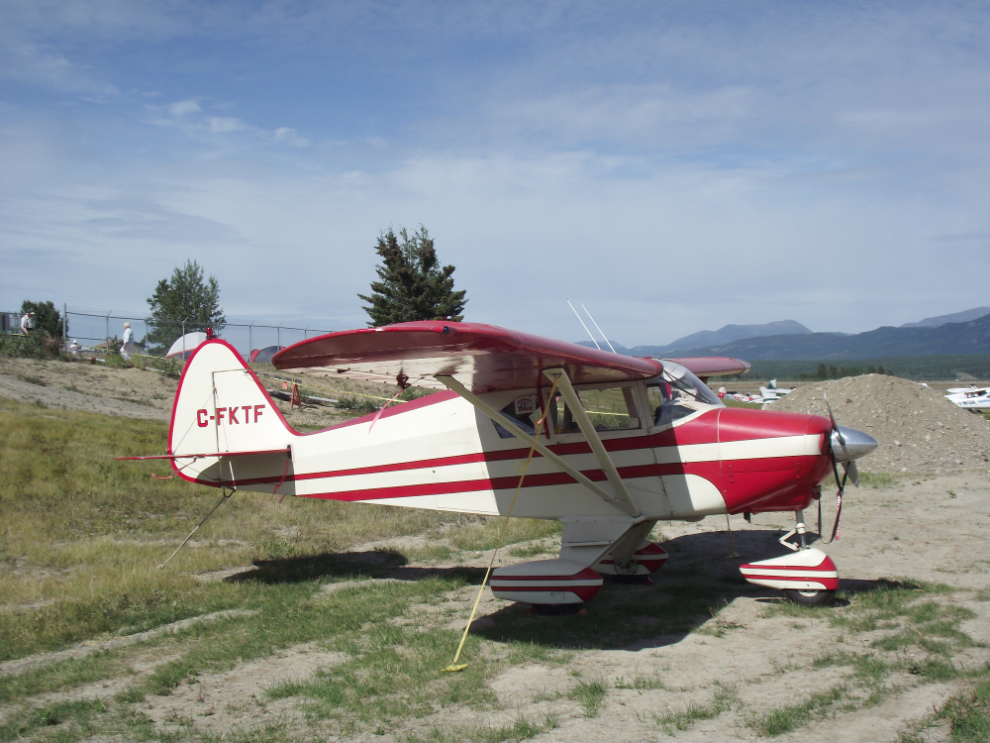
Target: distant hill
724, 335
727, 334
971, 337
936, 322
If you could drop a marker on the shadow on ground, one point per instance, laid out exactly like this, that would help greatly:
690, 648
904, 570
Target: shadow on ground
349, 566
699, 579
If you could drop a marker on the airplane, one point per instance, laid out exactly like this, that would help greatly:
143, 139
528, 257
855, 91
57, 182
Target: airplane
972, 398
627, 442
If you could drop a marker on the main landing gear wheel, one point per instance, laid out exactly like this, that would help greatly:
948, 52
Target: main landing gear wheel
809, 598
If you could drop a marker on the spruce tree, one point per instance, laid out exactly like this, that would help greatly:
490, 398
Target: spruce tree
413, 285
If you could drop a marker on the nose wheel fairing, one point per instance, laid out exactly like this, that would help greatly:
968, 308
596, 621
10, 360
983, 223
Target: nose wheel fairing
807, 570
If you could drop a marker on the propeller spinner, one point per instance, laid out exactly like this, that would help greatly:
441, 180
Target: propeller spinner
848, 445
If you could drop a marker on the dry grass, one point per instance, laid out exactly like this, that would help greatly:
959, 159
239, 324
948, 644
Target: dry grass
82, 534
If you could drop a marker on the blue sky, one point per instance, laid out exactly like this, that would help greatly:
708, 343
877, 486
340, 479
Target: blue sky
673, 166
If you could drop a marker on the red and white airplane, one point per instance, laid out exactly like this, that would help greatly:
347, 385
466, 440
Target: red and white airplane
627, 442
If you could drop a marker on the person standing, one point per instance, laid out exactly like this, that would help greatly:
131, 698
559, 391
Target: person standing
27, 323
127, 344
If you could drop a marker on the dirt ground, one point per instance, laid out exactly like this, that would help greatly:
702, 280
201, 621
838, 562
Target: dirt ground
917, 428
147, 393
925, 523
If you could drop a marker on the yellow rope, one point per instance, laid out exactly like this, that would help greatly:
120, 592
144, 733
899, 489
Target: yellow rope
539, 429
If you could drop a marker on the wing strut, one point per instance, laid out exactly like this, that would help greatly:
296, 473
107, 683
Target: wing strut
625, 502
626, 505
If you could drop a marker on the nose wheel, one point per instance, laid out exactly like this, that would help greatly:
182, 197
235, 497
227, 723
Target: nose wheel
809, 598
807, 576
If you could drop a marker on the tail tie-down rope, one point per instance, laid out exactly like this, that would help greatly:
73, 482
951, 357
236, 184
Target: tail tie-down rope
454, 666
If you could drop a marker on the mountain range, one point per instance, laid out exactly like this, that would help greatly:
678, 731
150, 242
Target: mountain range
962, 338
965, 332
935, 322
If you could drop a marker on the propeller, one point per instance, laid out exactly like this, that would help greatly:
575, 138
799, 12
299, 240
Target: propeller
849, 467
848, 445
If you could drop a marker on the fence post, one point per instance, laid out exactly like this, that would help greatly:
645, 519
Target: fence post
250, 343
306, 333
183, 340
108, 330
278, 336
65, 312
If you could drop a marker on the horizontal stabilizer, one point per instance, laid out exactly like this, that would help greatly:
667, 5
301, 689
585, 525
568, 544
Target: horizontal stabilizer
204, 456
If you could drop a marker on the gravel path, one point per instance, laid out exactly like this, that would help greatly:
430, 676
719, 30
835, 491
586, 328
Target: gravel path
54, 397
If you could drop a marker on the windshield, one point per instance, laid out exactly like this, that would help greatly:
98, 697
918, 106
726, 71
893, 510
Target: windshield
684, 385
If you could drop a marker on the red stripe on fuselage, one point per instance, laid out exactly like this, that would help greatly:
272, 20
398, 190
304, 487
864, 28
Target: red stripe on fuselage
777, 481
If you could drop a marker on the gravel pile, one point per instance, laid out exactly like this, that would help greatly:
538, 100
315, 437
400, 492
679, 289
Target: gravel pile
917, 428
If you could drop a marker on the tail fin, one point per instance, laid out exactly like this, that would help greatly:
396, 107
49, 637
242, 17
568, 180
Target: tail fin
226, 423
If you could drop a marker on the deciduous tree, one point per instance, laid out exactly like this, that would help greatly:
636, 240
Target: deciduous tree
183, 302
412, 284
47, 319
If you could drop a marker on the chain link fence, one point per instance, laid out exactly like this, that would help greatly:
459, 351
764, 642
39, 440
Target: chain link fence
91, 328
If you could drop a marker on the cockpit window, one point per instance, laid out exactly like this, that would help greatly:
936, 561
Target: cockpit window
609, 408
674, 394
524, 412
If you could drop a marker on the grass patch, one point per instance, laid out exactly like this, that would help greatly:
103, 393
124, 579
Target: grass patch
641, 683
532, 549
74, 720
483, 533
82, 534
590, 695
694, 712
393, 671
904, 615
431, 552
967, 716
731, 402
61, 676
522, 728
879, 480
786, 719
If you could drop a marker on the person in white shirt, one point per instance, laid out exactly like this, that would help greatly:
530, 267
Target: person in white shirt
127, 346
27, 323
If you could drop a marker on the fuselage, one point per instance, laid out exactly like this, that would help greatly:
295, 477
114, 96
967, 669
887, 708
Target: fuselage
439, 452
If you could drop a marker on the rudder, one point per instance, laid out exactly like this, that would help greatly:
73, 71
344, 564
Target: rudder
221, 409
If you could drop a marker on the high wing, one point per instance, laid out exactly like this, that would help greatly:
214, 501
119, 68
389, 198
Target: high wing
483, 358
704, 367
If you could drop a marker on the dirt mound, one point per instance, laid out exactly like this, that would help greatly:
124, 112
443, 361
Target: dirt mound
918, 429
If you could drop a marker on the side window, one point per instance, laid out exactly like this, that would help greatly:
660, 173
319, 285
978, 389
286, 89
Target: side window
524, 411
610, 409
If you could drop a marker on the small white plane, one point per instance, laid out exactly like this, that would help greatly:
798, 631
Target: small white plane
620, 443
972, 398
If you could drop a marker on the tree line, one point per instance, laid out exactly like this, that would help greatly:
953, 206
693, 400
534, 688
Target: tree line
412, 285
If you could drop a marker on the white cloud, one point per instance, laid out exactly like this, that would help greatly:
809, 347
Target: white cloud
26, 63
224, 124
288, 135
180, 108
651, 164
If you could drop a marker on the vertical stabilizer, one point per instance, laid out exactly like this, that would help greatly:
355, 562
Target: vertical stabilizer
221, 408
